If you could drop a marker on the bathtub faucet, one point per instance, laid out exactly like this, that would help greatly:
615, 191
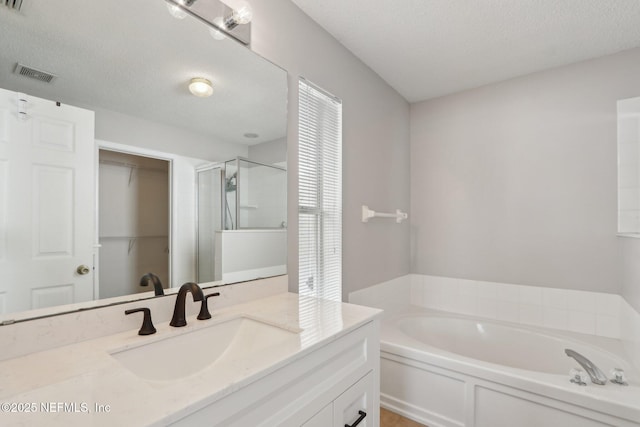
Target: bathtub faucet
596, 375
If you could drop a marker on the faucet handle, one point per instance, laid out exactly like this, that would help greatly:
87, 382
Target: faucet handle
618, 377
204, 308
578, 376
147, 325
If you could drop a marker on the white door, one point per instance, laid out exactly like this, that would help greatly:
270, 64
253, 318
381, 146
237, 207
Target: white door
46, 203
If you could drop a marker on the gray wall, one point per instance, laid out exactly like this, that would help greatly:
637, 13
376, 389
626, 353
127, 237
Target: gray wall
516, 182
375, 141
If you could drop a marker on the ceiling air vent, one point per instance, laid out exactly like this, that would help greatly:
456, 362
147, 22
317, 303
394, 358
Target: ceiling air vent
13, 4
43, 76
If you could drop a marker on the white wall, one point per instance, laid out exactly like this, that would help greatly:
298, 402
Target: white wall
125, 129
375, 144
249, 254
515, 182
270, 152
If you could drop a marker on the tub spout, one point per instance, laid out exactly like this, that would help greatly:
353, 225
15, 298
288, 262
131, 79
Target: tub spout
596, 375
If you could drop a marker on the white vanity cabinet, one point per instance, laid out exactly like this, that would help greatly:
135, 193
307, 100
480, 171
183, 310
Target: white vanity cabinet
325, 386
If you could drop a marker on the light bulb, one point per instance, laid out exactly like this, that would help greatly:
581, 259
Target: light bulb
176, 12
200, 87
243, 13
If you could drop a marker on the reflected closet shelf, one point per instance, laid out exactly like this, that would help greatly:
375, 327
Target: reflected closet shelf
133, 239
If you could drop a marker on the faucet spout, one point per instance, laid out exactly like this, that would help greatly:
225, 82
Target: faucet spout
178, 318
157, 285
596, 375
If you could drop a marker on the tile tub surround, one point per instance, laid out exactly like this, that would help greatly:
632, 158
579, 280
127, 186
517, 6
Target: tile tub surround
61, 330
85, 371
591, 313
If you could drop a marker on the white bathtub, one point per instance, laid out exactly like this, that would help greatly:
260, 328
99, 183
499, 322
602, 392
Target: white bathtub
451, 370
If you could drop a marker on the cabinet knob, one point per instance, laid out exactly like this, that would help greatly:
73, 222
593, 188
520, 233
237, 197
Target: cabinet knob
359, 420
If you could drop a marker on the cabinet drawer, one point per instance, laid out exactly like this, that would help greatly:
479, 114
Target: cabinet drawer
322, 418
356, 403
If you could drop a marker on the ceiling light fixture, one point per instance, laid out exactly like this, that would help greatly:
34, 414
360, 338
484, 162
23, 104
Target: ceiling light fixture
200, 87
241, 15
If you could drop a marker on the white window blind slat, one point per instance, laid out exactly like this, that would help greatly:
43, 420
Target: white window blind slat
320, 193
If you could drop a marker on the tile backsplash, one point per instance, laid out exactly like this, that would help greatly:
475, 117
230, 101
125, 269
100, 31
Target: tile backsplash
577, 311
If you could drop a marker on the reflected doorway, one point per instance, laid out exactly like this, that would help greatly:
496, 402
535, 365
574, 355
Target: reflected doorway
134, 221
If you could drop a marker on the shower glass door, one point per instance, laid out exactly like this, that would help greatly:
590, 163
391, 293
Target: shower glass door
209, 222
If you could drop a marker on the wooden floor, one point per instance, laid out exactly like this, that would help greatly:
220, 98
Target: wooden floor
391, 419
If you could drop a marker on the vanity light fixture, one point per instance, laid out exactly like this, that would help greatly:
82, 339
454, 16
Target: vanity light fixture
200, 87
242, 14
224, 21
215, 31
176, 10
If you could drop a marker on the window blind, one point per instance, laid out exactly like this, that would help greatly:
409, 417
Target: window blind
320, 193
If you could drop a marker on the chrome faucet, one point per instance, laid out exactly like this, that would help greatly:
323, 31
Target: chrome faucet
178, 318
596, 375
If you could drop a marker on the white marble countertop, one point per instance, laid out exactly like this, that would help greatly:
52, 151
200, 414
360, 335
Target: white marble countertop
82, 384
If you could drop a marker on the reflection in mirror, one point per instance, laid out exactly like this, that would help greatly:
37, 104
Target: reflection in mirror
241, 221
101, 167
629, 167
133, 221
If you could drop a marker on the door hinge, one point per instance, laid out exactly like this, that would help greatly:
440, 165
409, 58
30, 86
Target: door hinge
22, 107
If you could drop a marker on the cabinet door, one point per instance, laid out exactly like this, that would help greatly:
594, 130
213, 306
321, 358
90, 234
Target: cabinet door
322, 418
355, 406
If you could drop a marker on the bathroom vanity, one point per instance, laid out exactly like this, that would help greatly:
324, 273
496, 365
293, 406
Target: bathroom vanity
280, 360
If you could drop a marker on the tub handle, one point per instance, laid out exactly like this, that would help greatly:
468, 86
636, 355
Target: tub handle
618, 377
578, 376
359, 420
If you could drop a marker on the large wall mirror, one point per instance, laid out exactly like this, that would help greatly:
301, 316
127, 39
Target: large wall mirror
110, 168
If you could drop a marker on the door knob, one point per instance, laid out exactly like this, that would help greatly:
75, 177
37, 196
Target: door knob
83, 269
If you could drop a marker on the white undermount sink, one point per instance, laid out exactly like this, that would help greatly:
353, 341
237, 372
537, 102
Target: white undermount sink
184, 354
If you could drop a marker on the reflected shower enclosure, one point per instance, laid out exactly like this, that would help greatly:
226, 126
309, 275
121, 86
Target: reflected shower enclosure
242, 221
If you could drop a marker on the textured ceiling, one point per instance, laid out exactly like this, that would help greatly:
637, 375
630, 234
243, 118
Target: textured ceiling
428, 48
133, 57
